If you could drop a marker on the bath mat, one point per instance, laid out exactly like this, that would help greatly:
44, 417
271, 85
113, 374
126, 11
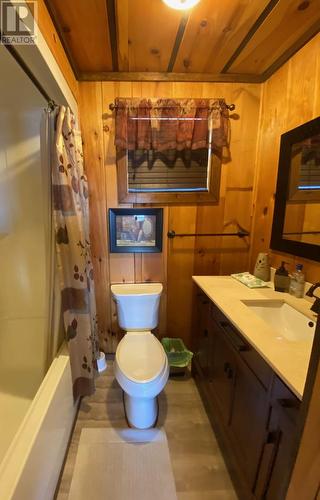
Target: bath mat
122, 464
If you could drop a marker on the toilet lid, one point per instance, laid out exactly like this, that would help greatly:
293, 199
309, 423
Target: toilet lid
140, 356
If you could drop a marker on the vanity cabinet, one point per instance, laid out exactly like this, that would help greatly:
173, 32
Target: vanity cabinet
253, 412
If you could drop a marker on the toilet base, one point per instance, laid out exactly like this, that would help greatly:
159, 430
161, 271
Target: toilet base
141, 413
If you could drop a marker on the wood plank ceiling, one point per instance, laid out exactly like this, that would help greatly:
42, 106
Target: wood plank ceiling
229, 40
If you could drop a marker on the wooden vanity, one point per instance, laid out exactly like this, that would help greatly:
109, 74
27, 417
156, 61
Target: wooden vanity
253, 412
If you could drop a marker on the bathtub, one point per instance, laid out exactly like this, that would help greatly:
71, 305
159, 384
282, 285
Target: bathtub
31, 467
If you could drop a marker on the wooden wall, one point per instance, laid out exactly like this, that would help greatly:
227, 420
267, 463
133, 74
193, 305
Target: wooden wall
289, 98
51, 36
182, 257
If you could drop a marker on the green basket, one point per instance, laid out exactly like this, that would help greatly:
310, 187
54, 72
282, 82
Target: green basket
178, 354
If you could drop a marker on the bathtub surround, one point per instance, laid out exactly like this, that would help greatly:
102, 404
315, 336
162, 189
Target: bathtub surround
71, 219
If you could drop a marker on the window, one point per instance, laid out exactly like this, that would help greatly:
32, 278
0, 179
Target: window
169, 151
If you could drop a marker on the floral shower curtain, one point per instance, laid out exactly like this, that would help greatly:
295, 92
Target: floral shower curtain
71, 219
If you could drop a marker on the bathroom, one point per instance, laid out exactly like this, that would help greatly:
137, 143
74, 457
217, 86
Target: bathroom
262, 60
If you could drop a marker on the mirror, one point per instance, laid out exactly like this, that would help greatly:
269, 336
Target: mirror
296, 220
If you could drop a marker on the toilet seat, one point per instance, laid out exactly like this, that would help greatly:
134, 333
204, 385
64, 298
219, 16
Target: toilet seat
140, 357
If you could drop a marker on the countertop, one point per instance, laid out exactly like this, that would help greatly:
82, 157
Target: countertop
290, 360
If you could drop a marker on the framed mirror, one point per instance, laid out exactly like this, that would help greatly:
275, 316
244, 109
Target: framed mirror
296, 220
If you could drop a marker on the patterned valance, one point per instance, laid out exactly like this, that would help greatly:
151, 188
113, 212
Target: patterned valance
166, 124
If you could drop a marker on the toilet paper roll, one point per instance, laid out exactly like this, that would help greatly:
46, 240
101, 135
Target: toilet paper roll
102, 362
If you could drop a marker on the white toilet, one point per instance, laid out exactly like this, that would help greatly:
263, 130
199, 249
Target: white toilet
141, 364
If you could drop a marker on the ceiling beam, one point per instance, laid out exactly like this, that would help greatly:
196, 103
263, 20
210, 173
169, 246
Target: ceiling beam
264, 14
122, 18
178, 40
112, 24
118, 76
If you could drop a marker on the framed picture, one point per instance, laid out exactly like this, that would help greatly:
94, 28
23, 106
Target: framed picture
135, 230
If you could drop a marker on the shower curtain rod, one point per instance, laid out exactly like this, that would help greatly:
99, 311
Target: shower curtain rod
35, 81
113, 106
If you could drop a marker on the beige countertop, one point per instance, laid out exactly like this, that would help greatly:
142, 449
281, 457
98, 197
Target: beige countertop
290, 360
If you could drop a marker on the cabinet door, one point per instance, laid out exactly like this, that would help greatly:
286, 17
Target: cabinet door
201, 344
222, 372
282, 428
248, 420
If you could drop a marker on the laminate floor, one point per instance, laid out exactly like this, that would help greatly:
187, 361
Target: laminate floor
198, 466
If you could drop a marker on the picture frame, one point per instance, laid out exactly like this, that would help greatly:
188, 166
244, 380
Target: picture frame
135, 230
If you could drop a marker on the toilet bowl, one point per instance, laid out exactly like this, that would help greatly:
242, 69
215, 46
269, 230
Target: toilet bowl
141, 364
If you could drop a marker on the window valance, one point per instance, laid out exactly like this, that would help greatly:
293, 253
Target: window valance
166, 124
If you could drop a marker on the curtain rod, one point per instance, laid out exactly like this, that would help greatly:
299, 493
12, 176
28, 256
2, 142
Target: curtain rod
113, 106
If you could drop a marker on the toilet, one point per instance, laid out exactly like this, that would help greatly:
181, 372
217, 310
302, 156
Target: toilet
141, 364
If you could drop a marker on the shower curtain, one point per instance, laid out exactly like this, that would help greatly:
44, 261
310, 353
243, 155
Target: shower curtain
71, 222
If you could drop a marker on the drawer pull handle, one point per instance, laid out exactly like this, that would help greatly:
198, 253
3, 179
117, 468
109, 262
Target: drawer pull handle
226, 367
234, 338
288, 403
230, 373
273, 436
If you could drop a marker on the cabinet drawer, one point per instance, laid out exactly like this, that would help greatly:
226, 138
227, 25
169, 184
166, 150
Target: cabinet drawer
254, 361
284, 399
259, 367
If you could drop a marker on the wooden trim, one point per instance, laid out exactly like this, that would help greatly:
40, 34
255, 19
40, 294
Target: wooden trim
112, 25
264, 14
303, 40
211, 196
178, 40
54, 17
125, 76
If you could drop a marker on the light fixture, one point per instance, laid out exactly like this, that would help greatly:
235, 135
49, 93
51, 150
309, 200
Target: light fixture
181, 4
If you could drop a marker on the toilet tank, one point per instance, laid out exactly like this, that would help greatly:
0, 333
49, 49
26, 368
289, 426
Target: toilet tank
137, 305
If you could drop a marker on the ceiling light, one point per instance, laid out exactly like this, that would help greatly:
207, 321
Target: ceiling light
181, 4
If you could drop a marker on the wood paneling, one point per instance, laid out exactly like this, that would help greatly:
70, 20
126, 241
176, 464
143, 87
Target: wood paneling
151, 35
51, 36
214, 33
289, 98
246, 37
181, 257
286, 23
84, 26
90, 105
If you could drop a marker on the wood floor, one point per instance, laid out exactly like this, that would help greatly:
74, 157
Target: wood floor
198, 467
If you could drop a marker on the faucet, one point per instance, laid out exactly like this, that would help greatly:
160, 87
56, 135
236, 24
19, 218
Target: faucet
310, 293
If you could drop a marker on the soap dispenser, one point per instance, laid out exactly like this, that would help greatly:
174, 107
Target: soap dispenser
281, 279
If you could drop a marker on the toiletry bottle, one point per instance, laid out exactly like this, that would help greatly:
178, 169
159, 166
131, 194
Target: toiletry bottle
297, 283
281, 279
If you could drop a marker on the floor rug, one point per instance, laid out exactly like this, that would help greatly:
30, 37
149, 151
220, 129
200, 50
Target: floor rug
123, 464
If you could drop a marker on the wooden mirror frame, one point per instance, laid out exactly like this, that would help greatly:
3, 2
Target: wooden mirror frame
306, 250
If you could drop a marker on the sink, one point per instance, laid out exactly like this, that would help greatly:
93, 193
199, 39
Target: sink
284, 319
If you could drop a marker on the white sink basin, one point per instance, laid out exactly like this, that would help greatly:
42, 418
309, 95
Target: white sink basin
284, 319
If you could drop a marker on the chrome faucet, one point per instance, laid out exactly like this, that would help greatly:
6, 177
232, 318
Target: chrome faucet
316, 305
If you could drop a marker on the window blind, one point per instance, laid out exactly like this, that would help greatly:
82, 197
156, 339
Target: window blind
171, 170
